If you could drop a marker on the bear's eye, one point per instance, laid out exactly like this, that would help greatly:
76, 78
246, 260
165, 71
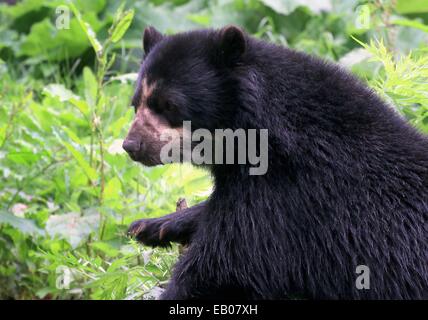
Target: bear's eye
152, 104
160, 105
168, 106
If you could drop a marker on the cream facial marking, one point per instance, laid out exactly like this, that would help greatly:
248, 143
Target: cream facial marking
147, 90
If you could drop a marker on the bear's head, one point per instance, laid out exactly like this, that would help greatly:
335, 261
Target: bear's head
183, 77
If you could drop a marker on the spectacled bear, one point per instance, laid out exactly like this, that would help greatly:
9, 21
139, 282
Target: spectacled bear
346, 186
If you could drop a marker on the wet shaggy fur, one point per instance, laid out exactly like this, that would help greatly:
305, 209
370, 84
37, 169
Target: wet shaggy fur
347, 183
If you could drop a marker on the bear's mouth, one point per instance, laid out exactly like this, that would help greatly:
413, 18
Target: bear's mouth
145, 159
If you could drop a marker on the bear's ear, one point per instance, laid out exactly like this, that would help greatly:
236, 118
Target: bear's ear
232, 44
150, 38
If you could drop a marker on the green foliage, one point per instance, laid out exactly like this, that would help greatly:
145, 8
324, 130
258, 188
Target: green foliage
403, 82
69, 192
131, 273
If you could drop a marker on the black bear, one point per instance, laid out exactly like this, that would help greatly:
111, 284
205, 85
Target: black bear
346, 190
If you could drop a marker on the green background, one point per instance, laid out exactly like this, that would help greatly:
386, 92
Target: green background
68, 192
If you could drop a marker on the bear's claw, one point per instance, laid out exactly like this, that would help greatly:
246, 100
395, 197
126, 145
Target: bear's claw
147, 231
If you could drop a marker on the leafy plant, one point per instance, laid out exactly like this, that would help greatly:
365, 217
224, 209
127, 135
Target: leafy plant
403, 81
68, 192
79, 191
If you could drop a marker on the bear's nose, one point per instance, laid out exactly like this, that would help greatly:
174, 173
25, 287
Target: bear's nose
131, 146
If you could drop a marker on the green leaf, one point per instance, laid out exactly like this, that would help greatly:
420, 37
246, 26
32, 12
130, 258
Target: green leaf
117, 264
106, 248
122, 25
411, 6
112, 189
42, 293
24, 156
65, 95
81, 105
46, 42
285, 7
199, 186
89, 171
201, 19
411, 23
92, 6
91, 86
72, 135
89, 32
61, 92
26, 226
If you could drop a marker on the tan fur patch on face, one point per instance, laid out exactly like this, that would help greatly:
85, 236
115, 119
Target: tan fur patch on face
152, 125
150, 129
147, 90
151, 122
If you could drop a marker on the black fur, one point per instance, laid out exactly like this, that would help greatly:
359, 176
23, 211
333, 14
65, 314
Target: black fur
347, 183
